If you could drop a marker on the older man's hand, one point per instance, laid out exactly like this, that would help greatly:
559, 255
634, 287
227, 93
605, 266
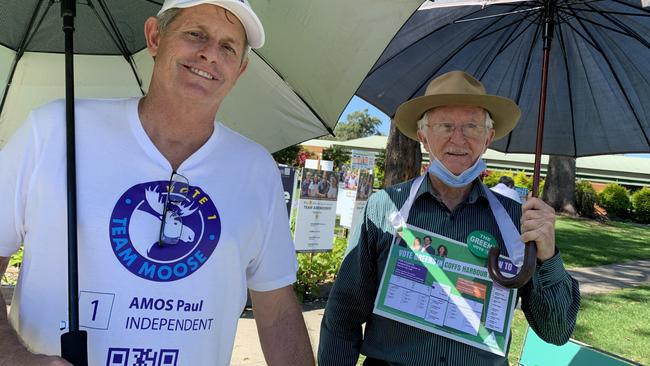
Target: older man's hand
538, 225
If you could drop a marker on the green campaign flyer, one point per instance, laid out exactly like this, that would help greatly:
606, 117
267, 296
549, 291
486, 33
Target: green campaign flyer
442, 286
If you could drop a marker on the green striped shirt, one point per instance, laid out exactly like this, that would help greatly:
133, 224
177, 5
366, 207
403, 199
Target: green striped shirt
550, 300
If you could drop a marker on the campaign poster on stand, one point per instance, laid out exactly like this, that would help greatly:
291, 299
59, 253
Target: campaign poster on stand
288, 176
316, 215
345, 205
364, 160
364, 190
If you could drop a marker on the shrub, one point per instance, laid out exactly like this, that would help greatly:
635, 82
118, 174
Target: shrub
641, 205
288, 155
15, 260
585, 199
380, 162
492, 177
615, 200
316, 268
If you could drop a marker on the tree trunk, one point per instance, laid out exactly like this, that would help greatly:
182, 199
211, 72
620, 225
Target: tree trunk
403, 158
560, 184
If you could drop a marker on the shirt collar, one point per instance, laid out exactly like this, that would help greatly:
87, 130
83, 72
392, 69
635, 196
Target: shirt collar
474, 194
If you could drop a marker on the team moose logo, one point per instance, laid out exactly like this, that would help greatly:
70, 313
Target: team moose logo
135, 230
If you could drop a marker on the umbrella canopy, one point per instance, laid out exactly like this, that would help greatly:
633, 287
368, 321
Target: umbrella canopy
296, 86
577, 68
598, 76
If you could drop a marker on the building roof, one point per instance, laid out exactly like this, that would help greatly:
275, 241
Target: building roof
627, 170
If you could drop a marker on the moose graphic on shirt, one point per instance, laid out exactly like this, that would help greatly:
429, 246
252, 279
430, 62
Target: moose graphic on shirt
144, 228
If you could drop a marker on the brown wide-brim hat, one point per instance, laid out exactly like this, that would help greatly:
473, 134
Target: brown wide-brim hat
461, 89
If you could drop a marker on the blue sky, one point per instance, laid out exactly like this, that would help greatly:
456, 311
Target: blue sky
358, 104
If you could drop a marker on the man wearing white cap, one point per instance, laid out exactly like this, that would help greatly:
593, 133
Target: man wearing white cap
172, 230
456, 120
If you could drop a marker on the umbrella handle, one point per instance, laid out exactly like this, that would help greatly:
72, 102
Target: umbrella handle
524, 275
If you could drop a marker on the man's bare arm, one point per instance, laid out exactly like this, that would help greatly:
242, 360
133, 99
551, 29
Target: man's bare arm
281, 328
12, 352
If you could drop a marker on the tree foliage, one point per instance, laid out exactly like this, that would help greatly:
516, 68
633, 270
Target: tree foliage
287, 155
357, 125
378, 171
292, 156
338, 155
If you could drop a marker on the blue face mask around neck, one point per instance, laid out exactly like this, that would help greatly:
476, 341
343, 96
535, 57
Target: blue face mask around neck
457, 181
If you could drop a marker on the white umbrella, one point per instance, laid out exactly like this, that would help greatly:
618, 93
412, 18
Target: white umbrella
316, 55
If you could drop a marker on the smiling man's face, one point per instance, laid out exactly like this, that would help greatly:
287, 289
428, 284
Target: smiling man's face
456, 152
200, 55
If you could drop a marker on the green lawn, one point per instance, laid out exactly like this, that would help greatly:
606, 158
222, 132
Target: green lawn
618, 322
587, 243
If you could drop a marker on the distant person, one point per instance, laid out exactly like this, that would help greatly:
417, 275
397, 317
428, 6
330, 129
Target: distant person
506, 187
352, 182
323, 186
331, 193
416, 245
313, 187
304, 187
442, 251
426, 247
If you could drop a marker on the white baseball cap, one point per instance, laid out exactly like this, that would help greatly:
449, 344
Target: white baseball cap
242, 10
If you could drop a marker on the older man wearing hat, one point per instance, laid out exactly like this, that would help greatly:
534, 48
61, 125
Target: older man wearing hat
172, 231
456, 120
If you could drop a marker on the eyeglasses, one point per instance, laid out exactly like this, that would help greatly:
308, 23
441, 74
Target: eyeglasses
469, 130
171, 225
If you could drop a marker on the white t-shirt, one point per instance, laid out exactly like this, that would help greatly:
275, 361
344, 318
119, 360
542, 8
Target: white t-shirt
504, 190
140, 303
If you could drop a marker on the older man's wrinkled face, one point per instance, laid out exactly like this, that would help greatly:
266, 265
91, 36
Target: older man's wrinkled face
456, 135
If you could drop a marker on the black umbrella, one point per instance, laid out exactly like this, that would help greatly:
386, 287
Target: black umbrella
591, 87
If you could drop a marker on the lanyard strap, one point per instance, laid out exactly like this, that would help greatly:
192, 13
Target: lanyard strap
509, 232
398, 219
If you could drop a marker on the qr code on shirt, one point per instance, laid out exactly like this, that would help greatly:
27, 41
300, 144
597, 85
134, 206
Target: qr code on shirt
141, 357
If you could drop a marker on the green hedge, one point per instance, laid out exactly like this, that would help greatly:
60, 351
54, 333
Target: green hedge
521, 179
615, 199
641, 205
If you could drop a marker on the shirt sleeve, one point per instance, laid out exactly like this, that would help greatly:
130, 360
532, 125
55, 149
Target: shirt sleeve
275, 265
551, 301
17, 160
351, 300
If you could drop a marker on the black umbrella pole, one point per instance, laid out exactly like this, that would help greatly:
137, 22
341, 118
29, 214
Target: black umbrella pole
549, 24
530, 255
74, 343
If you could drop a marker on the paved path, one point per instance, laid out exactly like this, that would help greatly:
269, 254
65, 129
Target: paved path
596, 280
247, 351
